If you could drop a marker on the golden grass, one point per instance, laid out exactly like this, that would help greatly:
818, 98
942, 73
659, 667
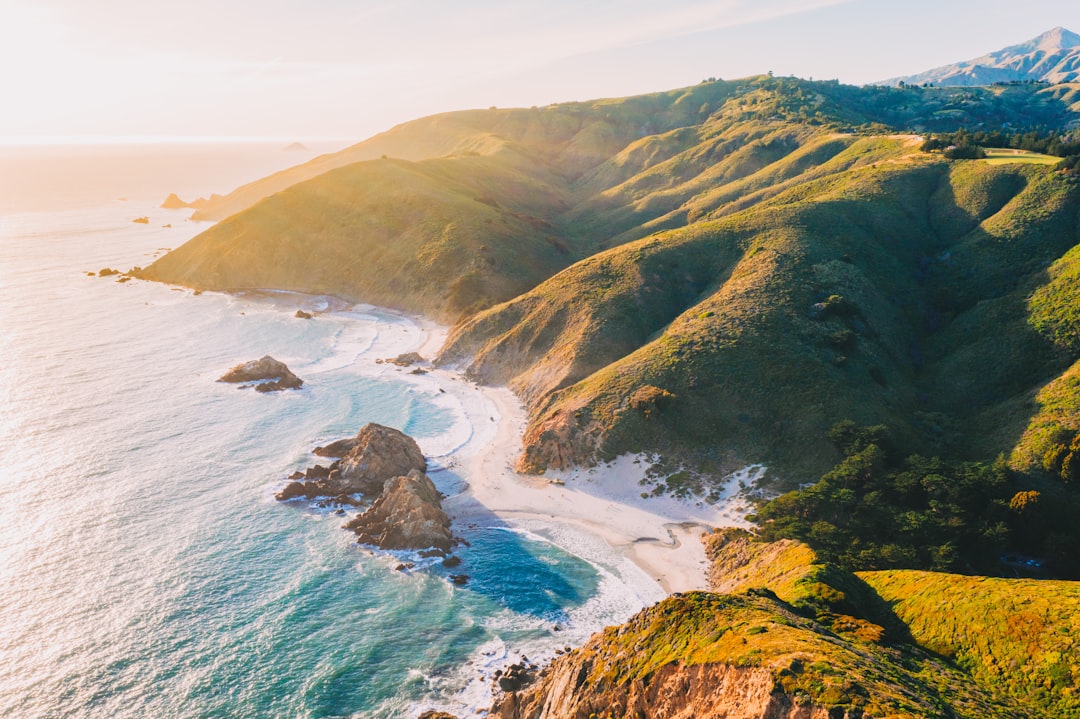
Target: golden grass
1003, 156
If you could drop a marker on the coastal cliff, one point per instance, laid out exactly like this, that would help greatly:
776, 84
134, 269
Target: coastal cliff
795, 637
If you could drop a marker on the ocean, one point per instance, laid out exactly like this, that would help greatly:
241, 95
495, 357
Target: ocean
145, 568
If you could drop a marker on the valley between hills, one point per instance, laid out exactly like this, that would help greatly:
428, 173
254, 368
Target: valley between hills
761, 271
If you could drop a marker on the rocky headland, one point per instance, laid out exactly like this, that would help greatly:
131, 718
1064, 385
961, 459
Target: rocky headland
271, 374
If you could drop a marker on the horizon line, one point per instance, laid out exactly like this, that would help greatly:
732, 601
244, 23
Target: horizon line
68, 140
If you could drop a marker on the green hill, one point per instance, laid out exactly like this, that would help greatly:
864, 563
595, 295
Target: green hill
719, 273
1018, 636
894, 292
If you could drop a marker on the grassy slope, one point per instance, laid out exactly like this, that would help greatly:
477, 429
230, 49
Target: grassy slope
1020, 637
811, 664
935, 262
441, 236
1017, 638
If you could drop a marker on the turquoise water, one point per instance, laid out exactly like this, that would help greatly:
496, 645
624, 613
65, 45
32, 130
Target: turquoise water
146, 569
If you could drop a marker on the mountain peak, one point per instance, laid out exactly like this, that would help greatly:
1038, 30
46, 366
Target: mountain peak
1053, 40
1053, 56
1063, 37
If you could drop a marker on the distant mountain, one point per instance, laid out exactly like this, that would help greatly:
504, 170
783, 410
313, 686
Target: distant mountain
1052, 57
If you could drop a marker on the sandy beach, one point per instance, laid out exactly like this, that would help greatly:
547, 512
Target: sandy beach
659, 535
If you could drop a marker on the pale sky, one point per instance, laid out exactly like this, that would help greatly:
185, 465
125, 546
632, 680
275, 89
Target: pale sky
345, 69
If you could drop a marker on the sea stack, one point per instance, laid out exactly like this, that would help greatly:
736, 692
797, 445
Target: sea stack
273, 375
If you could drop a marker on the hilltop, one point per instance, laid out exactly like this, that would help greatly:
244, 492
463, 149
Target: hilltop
1053, 57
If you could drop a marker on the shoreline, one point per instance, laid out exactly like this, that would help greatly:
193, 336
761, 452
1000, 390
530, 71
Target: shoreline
660, 536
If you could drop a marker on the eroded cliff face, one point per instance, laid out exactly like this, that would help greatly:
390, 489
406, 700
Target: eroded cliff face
713, 691
561, 440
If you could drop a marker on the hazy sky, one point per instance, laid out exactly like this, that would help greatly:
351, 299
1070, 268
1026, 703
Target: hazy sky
309, 69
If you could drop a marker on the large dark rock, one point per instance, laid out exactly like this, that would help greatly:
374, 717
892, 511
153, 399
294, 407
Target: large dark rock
378, 453
267, 368
408, 515
406, 359
374, 455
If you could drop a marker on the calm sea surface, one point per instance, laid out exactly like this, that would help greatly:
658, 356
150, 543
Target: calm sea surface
145, 569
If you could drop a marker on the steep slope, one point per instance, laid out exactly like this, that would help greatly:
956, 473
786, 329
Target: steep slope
1052, 57
748, 656
442, 237
578, 134
1018, 635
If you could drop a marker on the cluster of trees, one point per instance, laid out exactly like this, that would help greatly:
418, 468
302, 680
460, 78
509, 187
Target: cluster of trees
874, 511
1063, 460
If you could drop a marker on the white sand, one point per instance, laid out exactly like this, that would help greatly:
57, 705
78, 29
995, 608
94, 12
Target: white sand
660, 535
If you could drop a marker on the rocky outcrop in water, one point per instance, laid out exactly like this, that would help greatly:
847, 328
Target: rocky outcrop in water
379, 453
406, 359
173, 202
408, 515
375, 455
273, 375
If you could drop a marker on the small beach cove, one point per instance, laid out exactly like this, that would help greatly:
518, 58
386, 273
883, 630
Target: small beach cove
659, 536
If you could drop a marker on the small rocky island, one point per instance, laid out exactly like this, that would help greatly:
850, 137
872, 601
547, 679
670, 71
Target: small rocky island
386, 465
407, 515
271, 374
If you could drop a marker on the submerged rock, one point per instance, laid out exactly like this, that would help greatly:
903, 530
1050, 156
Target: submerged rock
408, 515
267, 368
